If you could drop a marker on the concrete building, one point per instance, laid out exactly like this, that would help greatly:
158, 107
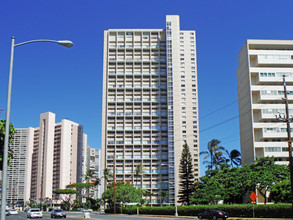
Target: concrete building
17, 173
93, 164
262, 64
150, 104
55, 156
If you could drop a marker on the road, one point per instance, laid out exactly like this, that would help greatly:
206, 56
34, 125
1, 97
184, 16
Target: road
94, 216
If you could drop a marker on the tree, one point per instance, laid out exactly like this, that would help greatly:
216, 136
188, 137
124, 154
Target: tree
281, 192
265, 173
125, 193
163, 194
81, 187
107, 174
65, 196
89, 175
2, 140
234, 157
186, 176
138, 172
215, 155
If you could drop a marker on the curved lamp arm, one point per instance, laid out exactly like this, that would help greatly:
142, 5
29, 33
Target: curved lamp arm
65, 43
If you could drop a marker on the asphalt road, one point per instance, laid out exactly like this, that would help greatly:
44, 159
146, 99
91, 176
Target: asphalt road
93, 216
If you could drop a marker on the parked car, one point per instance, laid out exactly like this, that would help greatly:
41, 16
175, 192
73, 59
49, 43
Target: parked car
34, 213
58, 213
213, 214
13, 212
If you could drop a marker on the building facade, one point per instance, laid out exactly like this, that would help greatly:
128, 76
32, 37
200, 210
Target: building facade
93, 164
150, 105
17, 175
55, 156
262, 65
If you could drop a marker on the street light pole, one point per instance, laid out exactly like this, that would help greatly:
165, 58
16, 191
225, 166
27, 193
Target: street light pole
65, 43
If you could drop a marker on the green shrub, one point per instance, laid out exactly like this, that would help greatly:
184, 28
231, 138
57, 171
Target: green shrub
245, 210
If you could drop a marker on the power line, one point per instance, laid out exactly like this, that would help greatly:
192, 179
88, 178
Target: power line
219, 109
216, 125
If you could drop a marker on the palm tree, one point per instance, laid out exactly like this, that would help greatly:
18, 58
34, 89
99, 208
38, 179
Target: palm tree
215, 153
138, 172
89, 175
234, 157
107, 174
163, 194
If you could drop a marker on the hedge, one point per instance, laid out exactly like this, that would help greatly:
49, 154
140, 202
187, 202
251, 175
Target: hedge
245, 210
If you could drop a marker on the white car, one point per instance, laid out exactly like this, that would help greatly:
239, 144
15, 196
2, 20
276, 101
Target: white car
34, 213
13, 212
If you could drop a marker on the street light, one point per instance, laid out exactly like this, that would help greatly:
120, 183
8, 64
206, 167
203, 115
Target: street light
65, 43
175, 189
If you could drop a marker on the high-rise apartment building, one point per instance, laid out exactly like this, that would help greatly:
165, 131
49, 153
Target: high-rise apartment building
262, 65
150, 104
93, 164
17, 175
54, 159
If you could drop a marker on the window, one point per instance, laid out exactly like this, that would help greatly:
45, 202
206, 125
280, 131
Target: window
182, 85
182, 90
181, 33
193, 77
184, 132
183, 108
182, 55
183, 117
181, 37
183, 122
192, 58
193, 85
181, 58
183, 94
182, 81
182, 76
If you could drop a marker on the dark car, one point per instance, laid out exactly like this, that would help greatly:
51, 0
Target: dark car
213, 214
58, 213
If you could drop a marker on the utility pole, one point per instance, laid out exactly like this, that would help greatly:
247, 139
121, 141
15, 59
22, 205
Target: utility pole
114, 184
288, 120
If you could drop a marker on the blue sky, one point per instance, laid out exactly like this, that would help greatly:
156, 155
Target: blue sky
68, 82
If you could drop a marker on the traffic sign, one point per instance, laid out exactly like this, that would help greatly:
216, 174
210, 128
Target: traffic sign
83, 200
253, 196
